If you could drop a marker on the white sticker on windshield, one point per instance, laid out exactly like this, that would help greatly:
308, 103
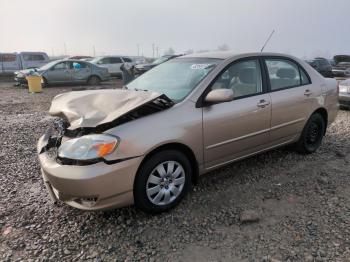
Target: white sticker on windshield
199, 66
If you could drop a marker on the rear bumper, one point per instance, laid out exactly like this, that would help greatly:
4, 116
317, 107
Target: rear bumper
91, 187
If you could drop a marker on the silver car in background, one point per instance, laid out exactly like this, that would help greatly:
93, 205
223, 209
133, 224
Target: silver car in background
112, 63
344, 94
66, 72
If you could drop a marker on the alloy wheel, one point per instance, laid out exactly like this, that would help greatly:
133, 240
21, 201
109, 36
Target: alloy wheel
165, 183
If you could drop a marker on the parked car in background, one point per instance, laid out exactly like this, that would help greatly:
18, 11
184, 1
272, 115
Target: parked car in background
112, 63
142, 68
344, 94
342, 66
67, 72
138, 59
322, 66
12, 62
147, 143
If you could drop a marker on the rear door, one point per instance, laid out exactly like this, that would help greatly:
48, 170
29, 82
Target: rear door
80, 71
59, 73
291, 96
10, 62
241, 127
116, 62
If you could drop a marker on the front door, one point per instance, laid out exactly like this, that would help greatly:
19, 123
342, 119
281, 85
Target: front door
238, 128
60, 73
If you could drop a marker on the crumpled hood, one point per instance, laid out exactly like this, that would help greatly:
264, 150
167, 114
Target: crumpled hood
86, 109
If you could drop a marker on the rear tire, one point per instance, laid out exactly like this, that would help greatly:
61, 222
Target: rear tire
158, 191
94, 81
312, 135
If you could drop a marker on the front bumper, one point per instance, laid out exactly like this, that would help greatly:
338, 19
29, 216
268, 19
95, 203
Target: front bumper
21, 80
90, 187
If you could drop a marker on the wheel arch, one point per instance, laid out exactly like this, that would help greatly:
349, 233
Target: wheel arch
93, 76
323, 112
45, 80
178, 147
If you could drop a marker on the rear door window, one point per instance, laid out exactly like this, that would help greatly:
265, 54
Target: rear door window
79, 65
104, 61
116, 60
9, 58
283, 73
33, 57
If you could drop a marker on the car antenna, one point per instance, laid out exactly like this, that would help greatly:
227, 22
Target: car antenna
268, 39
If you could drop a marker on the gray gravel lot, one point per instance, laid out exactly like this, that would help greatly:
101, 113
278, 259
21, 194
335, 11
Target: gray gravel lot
299, 205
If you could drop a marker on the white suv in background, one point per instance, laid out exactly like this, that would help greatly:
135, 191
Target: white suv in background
112, 63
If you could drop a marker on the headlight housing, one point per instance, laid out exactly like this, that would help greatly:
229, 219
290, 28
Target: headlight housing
88, 147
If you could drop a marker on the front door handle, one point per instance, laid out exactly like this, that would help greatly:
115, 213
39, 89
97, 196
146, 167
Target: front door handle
262, 103
307, 92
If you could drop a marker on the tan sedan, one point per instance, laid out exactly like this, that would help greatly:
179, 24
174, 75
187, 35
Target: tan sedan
146, 144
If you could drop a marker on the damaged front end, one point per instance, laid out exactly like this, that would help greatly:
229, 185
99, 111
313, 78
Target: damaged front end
94, 112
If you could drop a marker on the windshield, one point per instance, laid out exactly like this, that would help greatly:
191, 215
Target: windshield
175, 78
48, 65
160, 60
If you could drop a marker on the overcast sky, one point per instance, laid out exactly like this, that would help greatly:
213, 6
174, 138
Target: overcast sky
303, 27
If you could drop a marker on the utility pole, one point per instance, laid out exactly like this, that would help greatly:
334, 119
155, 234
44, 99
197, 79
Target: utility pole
65, 49
138, 50
157, 49
93, 50
152, 50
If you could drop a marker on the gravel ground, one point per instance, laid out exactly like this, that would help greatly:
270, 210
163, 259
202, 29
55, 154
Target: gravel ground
298, 206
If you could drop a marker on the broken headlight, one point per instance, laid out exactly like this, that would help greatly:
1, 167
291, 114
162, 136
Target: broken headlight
88, 147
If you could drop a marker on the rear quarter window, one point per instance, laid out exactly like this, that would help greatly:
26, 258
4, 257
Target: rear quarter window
126, 59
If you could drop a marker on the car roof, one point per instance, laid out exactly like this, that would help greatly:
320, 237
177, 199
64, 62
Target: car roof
72, 60
230, 54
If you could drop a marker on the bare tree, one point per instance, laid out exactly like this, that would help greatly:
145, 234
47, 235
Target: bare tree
202, 51
223, 47
170, 51
189, 51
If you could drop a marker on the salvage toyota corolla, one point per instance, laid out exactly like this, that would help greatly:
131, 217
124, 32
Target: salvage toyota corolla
148, 142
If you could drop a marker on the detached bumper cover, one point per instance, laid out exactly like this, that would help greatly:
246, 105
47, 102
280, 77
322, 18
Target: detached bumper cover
110, 185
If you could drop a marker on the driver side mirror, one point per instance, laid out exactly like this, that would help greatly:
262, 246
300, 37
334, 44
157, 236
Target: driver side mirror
219, 96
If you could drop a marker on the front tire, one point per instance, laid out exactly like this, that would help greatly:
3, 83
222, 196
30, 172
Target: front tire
162, 181
312, 135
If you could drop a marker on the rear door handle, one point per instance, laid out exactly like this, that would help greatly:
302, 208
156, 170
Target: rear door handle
262, 103
307, 92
